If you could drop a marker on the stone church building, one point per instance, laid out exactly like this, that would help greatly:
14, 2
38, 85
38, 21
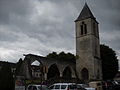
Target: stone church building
88, 65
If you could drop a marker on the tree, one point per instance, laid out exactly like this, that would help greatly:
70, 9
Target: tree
6, 78
61, 56
109, 62
52, 55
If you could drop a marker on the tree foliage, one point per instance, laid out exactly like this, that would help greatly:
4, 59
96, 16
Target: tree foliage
61, 56
109, 62
52, 55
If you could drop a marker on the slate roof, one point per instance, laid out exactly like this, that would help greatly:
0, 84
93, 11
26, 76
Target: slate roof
85, 13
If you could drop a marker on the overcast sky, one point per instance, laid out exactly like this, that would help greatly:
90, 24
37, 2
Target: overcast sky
42, 26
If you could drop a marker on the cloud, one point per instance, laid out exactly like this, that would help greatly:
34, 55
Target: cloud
43, 26
17, 7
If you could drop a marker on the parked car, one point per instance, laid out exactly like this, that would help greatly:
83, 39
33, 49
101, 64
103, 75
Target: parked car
110, 85
116, 85
65, 86
84, 87
90, 88
37, 87
105, 85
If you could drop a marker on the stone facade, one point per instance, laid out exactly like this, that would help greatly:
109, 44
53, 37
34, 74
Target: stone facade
88, 64
58, 65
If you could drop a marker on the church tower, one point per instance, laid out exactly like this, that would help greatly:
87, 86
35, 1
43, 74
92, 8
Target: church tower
88, 64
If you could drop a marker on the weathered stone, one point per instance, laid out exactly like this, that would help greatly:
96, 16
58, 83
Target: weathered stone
88, 65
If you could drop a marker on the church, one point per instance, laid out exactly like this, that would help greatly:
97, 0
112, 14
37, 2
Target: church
87, 66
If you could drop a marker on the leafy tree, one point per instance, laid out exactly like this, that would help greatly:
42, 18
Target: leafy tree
52, 55
109, 62
6, 78
61, 56
71, 56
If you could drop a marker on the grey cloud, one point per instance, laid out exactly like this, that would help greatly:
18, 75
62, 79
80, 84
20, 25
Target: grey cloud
7, 37
42, 26
18, 7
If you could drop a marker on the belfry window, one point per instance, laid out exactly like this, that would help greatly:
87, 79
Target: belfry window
94, 29
83, 28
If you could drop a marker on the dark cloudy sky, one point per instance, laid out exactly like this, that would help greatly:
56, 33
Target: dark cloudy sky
42, 26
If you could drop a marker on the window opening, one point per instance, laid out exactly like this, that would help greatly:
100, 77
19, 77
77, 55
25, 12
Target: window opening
94, 30
83, 28
57, 87
63, 86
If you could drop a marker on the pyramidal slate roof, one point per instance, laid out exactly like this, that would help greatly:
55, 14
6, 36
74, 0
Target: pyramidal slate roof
85, 13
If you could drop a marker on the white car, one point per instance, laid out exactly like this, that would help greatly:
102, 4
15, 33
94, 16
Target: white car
65, 86
37, 87
90, 88
85, 86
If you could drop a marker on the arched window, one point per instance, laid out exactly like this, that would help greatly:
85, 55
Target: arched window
83, 28
36, 63
94, 28
84, 74
35, 68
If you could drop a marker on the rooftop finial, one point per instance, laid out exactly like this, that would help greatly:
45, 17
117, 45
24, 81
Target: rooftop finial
86, 2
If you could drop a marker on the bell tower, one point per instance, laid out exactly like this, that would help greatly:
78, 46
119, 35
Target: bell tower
88, 64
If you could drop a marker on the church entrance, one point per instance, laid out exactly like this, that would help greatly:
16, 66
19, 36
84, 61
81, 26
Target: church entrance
84, 74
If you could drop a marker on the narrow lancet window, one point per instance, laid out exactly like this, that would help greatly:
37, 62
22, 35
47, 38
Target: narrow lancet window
85, 28
94, 30
81, 29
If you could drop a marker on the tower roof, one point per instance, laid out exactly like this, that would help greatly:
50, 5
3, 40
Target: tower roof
85, 13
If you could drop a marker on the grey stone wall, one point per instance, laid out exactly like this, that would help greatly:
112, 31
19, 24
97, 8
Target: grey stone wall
61, 65
88, 49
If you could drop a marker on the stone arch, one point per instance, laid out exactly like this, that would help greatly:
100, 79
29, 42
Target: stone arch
67, 73
84, 74
32, 71
53, 72
36, 62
